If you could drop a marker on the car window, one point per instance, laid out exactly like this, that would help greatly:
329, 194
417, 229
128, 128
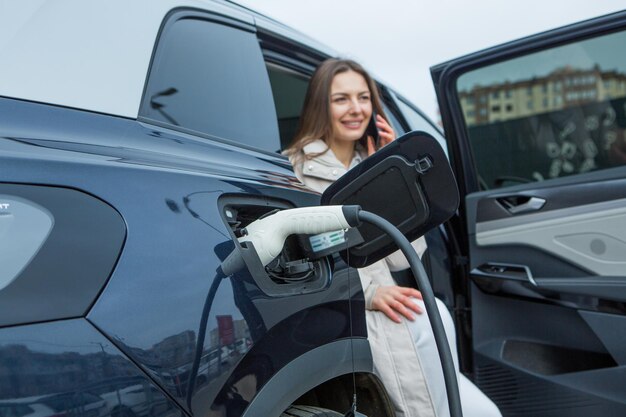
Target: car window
211, 78
417, 121
550, 114
288, 88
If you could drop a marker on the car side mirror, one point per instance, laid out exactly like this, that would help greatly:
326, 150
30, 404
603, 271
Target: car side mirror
408, 182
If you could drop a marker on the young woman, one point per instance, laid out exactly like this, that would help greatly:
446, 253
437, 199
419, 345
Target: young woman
331, 139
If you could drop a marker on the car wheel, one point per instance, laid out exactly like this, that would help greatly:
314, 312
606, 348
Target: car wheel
308, 411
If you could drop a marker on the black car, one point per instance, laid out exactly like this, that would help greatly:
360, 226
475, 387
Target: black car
137, 138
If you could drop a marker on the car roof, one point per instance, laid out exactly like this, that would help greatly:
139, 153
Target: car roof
95, 55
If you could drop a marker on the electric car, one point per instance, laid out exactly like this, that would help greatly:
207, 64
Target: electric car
137, 139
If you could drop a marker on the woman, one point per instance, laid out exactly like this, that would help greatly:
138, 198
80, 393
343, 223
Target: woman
331, 139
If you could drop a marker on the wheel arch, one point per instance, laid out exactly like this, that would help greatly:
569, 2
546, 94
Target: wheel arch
321, 368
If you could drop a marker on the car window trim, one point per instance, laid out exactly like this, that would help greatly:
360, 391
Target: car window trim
289, 52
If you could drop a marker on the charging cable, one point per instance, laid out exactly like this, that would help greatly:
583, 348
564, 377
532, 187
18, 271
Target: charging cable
445, 355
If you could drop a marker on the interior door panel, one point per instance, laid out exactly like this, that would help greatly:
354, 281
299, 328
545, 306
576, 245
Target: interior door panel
536, 359
592, 236
548, 297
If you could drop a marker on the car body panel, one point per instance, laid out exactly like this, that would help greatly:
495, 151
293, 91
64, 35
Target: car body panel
51, 358
174, 180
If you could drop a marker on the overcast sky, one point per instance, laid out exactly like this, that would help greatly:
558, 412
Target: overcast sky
398, 40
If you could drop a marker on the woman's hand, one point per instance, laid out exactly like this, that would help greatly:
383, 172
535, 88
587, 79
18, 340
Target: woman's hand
385, 135
393, 300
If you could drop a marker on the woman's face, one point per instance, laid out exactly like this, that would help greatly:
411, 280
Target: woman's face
350, 106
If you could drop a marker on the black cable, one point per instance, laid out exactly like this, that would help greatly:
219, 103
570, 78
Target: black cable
352, 410
191, 383
447, 363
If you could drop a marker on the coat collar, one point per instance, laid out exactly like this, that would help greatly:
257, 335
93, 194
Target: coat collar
325, 166
329, 158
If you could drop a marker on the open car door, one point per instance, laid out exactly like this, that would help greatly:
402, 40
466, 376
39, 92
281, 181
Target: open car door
536, 131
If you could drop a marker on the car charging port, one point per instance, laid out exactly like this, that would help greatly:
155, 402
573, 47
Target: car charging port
293, 264
297, 269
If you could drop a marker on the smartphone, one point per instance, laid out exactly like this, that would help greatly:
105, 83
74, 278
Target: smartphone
372, 130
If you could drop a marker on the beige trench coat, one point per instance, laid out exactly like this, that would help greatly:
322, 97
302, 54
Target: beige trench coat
396, 360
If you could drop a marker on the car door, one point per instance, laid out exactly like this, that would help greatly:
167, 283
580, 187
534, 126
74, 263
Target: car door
537, 136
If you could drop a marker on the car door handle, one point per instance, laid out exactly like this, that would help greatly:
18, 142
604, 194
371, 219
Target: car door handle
521, 204
504, 271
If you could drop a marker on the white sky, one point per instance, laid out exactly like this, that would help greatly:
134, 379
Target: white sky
399, 40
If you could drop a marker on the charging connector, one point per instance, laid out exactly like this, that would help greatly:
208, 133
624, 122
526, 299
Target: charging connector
268, 234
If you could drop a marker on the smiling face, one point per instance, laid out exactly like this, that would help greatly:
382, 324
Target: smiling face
350, 106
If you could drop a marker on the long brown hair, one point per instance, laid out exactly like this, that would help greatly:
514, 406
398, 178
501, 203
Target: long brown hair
315, 120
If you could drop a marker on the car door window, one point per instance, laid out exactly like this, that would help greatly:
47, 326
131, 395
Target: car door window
288, 88
210, 77
417, 121
550, 114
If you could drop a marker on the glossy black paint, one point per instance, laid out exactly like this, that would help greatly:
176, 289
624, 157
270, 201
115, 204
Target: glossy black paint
166, 185
69, 368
